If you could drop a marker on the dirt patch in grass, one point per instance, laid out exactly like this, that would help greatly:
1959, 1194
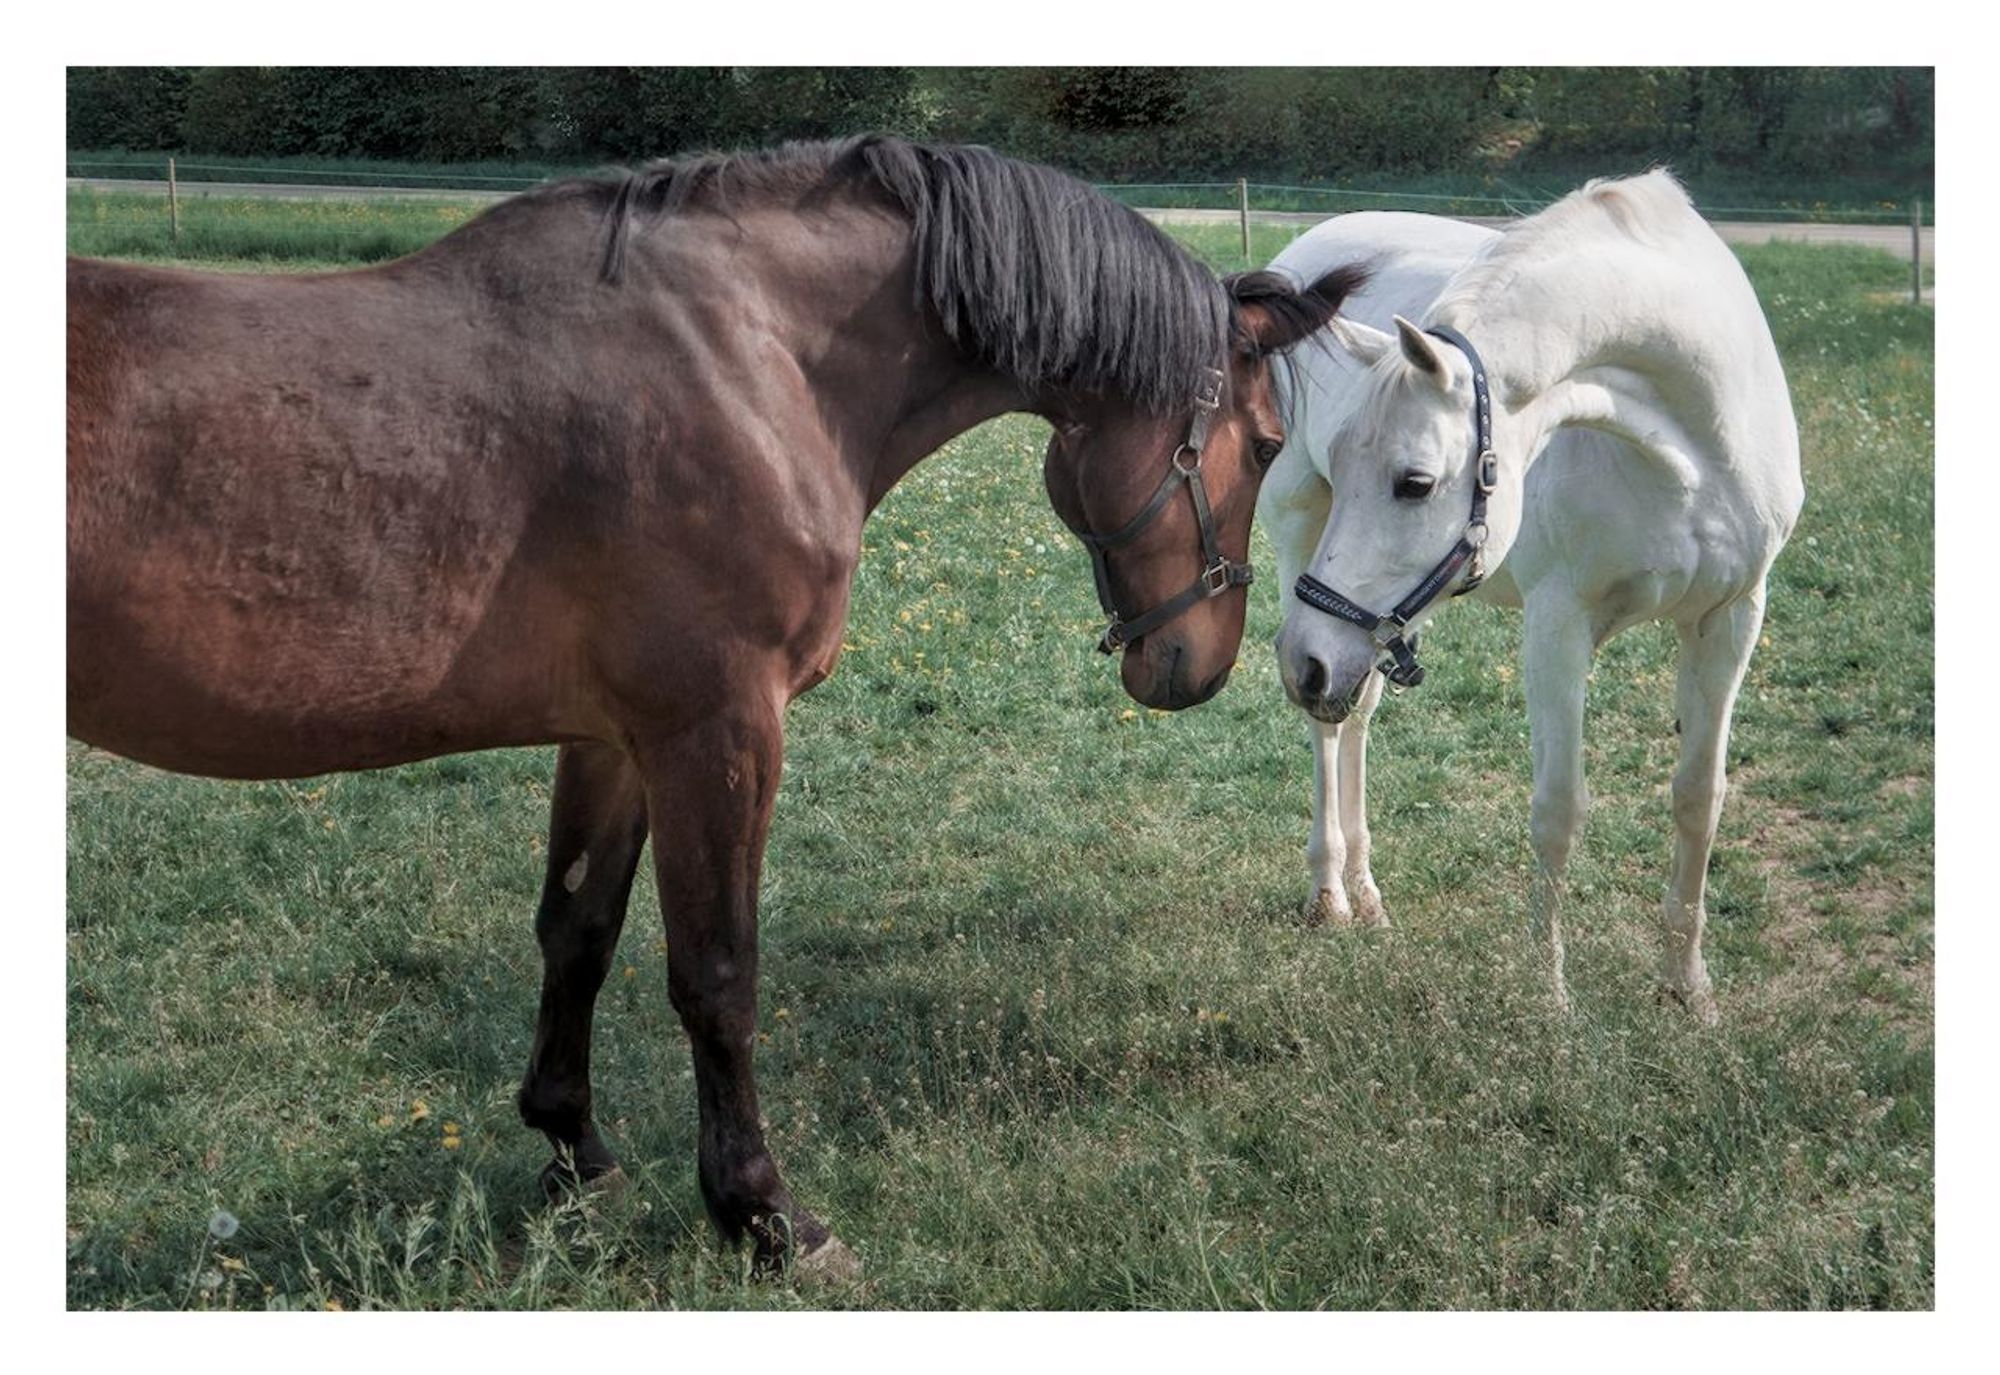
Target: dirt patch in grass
1825, 935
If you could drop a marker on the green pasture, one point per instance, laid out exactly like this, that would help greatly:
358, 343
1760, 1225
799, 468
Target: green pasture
1041, 1025
256, 234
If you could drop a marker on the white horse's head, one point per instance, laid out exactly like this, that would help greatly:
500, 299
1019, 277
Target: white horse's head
1404, 466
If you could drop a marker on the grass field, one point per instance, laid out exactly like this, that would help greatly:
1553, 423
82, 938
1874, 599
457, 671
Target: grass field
314, 235
1041, 1027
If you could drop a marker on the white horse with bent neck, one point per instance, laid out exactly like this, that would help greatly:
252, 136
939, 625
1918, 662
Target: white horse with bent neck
1648, 469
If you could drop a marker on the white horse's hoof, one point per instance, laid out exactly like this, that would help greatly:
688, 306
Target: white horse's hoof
1329, 908
1698, 1001
1368, 910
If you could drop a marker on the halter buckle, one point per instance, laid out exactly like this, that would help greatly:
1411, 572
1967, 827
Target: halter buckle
1208, 392
1217, 577
1112, 638
1488, 475
1184, 469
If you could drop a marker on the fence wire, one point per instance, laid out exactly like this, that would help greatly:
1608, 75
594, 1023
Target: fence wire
1225, 193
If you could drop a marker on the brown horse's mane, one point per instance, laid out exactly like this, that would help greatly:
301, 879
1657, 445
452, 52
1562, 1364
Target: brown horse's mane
1032, 272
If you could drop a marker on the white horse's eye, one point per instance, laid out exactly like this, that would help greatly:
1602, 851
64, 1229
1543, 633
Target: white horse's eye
1414, 486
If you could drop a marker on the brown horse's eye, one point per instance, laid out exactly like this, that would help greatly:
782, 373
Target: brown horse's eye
1267, 452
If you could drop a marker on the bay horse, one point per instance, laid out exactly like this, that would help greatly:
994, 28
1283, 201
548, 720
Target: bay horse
592, 470
1589, 414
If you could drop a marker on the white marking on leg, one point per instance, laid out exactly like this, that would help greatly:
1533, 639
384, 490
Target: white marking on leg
573, 876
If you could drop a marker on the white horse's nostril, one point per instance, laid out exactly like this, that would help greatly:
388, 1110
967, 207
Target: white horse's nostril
1314, 679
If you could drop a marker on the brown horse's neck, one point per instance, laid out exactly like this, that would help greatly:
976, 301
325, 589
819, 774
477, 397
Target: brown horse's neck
889, 386
939, 406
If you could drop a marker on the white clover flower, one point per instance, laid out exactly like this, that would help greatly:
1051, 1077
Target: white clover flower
222, 1224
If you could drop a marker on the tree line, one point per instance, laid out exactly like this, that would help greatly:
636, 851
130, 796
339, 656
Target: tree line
1110, 123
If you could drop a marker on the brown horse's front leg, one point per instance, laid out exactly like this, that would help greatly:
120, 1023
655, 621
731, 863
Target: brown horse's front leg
710, 792
597, 826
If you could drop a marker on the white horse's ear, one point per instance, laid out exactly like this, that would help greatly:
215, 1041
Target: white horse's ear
1364, 343
1420, 349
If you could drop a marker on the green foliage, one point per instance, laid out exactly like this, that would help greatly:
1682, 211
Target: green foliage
1040, 1027
127, 107
1812, 120
1108, 123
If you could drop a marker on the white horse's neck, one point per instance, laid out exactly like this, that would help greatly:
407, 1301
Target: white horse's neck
1590, 325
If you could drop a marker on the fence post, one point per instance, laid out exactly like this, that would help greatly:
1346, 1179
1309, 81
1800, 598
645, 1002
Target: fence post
1916, 251
1243, 202
174, 204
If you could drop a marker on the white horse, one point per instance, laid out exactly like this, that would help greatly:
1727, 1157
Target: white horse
1642, 464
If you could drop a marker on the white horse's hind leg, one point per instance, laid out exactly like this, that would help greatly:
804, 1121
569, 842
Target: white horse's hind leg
1715, 651
1557, 662
1361, 889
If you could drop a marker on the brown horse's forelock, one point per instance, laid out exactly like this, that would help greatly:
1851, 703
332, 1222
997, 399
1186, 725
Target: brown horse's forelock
1033, 273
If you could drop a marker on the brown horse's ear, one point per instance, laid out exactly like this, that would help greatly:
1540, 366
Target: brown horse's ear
1272, 314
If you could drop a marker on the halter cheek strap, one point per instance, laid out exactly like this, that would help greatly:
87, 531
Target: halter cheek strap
1399, 658
1219, 573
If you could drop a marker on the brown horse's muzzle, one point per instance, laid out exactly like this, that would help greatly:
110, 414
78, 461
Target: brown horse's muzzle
1167, 670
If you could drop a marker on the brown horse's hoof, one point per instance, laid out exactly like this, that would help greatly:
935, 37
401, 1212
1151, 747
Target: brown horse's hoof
560, 1180
832, 1262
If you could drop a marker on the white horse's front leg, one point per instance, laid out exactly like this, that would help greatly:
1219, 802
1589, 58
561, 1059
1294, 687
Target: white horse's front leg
1556, 658
1714, 654
1293, 508
1326, 848
1361, 889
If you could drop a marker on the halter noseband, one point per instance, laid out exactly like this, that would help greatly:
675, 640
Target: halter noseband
1218, 573
1400, 664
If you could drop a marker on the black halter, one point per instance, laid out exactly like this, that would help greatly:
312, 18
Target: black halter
1218, 573
1400, 664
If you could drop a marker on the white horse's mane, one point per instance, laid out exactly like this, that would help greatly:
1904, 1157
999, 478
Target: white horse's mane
1647, 208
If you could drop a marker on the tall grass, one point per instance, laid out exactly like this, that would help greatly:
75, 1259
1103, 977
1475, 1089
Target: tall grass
1039, 1026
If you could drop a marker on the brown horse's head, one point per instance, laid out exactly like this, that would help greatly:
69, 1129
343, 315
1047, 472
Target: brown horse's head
1133, 484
